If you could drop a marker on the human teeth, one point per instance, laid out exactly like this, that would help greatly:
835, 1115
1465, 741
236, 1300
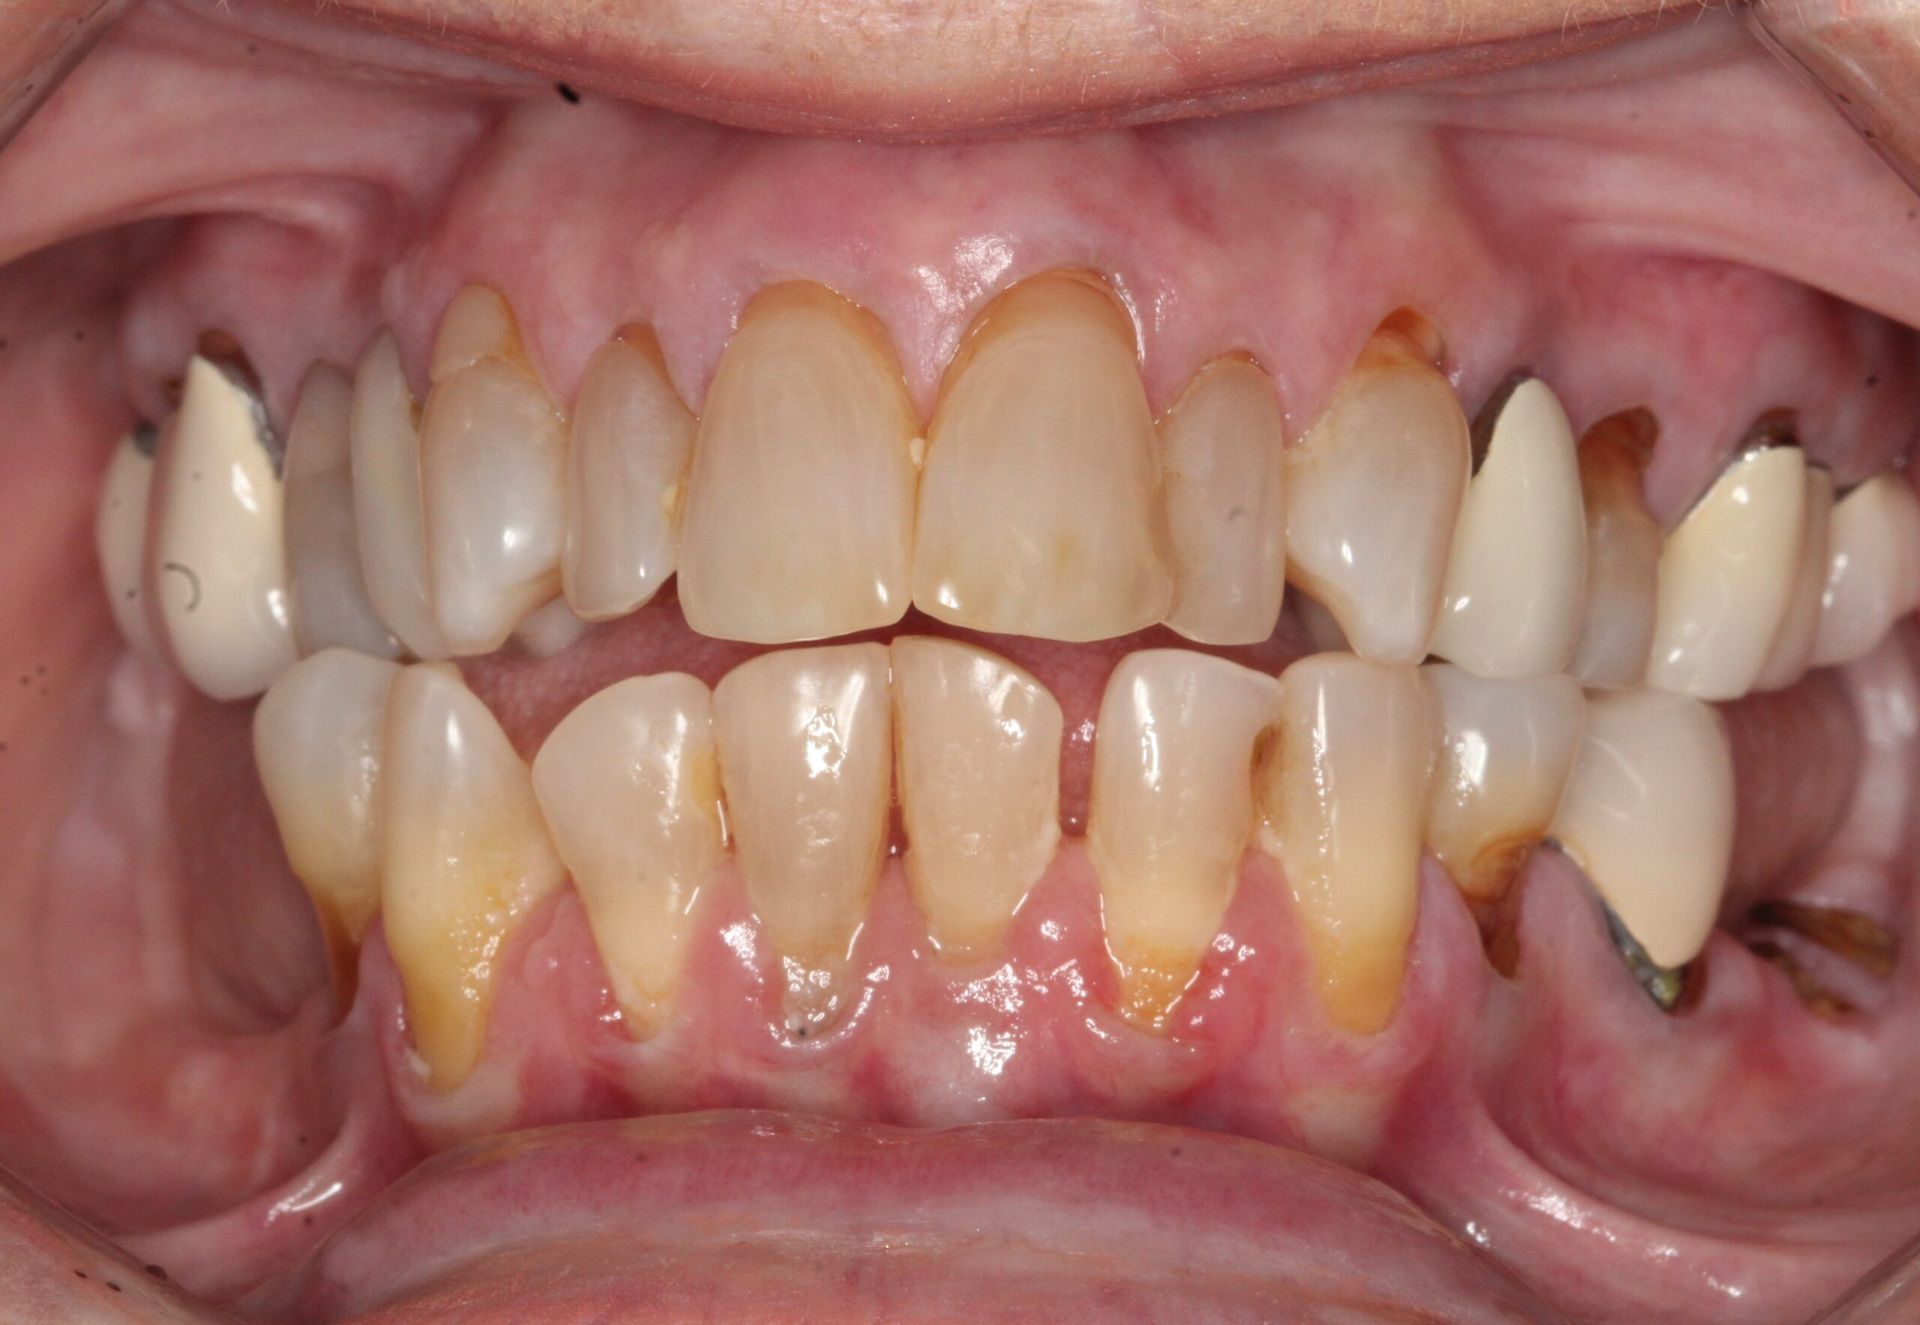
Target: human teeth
626, 463
1505, 748
1373, 494
465, 856
1792, 649
978, 741
1623, 551
630, 785
1726, 575
478, 324
329, 594
218, 551
1516, 582
806, 760
1873, 568
799, 510
1226, 504
387, 512
1344, 790
120, 536
1040, 507
1171, 812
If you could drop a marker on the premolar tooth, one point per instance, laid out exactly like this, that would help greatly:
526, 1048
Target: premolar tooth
1873, 568
465, 856
626, 464
1344, 790
1623, 551
1516, 582
218, 539
1226, 504
120, 536
387, 511
1792, 648
978, 741
1171, 812
1373, 495
630, 785
1040, 508
806, 760
799, 513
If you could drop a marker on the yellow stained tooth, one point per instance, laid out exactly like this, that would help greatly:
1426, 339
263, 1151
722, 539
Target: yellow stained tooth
120, 537
387, 510
478, 324
1792, 650
1623, 551
1873, 568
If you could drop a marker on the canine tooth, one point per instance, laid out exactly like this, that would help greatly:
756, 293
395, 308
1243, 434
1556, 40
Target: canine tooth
465, 856
630, 785
806, 761
387, 511
120, 536
1726, 574
1040, 507
1373, 494
1505, 749
1171, 813
978, 742
1873, 570
1648, 814
799, 513
1623, 551
1344, 790
1226, 504
218, 551
1516, 584
626, 464
478, 324
1792, 649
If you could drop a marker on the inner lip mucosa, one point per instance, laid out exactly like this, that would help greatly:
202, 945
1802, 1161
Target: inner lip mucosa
796, 668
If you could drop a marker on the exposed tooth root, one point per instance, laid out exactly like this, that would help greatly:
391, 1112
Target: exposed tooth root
1343, 791
978, 742
806, 760
626, 465
478, 324
799, 512
1171, 813
1623, 551
1040, 509
1373, 495
1792, 649
630, 784
387, 511
217, 562
465, 856
1873, 570
1516, 583
1857, 938
1223, 443
120, 536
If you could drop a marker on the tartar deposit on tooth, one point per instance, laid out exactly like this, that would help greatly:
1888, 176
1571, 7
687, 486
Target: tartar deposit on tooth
387, 511
1873, 568
1791, 652
120, 538
1623, 551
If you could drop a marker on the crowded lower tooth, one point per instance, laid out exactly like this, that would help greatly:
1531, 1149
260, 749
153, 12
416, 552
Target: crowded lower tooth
1040, 509
1373, 495
1623, 551
630, 785
1873, 568
798, 522
1171, 812
978, 744
464, 857
1344, 791
120, 536
1516, 582
1792, 650
806, 762
388, 516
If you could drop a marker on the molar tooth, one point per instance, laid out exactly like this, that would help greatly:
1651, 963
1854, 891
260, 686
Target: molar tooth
626, 464
464, 857
120, 536
1226, 504
630, 785
1343, 790
1873, 569
1792, 648
1373, 495
1623, 551
1516, 583
978, 743
1040, 507
799, 512
218, 551
1171, 813
806, 761
387, 512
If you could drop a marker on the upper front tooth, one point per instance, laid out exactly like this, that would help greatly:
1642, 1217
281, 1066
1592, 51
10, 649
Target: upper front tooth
1726, 575
1873, 569
1040, 506
630, 785
120, 536
1623, 551
1517, 579
1792, 650
478, 324
978, 741
1226, 504
1373, 496
799, 510
1171, 813
219, 555
387, 511
806, 761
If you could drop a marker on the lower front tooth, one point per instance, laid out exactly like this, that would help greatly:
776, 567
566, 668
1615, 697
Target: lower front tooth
1873, 569
1171, 812
120, 536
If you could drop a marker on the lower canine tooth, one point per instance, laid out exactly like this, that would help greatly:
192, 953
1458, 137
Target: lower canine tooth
1171, 813
1873, 570
806, 760
120, 536
1623, 551
465, 856
630, 785
1792, 649
387, 510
